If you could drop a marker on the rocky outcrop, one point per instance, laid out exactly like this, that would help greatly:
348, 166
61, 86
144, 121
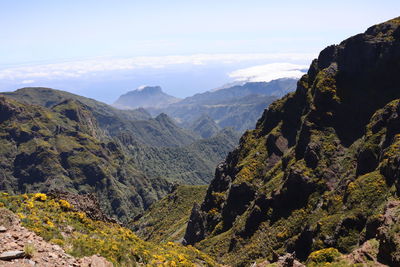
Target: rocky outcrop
6, 110
389, 236
86, 203
21, 247
195, 230
321, 163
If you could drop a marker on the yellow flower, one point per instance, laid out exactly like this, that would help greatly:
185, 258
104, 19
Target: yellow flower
40, 196
81, 215
30, 204
65, 204
50, 223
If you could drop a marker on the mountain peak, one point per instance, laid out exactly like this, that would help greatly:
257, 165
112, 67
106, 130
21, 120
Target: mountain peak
145, 97
147, 89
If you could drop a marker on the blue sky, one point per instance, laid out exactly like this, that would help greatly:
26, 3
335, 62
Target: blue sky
46, 32
56, 30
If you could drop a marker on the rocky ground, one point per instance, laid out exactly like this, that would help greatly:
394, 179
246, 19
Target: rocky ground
21, 247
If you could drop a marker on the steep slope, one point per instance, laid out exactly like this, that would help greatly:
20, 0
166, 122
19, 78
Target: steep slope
67, 228
321, 169
129, 126
63, 148
148, 96
204, 126
166, 219
238, 106
193, 164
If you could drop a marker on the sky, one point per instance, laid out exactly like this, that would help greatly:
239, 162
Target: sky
83, 46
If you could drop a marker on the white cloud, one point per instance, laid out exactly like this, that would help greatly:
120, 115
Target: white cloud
268, 72
140, 88
73, 69
27, 81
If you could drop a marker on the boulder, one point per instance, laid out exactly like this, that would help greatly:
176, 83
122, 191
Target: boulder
12, 254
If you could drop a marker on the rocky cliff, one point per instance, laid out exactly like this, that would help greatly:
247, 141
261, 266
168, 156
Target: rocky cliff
321, 169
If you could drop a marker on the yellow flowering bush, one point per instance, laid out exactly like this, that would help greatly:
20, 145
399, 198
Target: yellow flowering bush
55, 221
40, 197
323, 255
65, 204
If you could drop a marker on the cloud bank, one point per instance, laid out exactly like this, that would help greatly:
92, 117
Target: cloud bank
268, 72
75, 69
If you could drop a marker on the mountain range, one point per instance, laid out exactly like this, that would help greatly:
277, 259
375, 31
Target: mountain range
315, 183
237, 106
56, 140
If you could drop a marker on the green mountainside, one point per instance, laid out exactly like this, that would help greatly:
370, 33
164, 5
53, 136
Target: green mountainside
129, 126
63, 148
192, 164
320, 173
126, 158
167, 218
205, 126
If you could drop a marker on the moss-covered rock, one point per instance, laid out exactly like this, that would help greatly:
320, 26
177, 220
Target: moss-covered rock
321, 164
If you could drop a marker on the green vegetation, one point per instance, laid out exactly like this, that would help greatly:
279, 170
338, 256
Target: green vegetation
325, 255
80, 236
64, 149
166, 219
156, 147
29, 250
193, 164
318, 175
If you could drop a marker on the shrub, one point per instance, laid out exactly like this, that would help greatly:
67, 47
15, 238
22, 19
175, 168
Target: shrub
40, 196
29, 250
323, 255
65, 205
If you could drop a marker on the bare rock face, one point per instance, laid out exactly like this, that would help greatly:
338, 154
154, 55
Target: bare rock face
195, 232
